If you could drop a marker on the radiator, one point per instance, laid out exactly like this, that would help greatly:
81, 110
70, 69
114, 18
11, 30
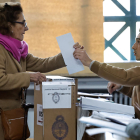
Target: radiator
121, 98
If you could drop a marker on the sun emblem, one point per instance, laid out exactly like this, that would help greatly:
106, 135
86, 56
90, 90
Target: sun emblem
55, 97
60, 128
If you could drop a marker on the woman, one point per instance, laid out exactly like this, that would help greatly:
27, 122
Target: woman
15, 59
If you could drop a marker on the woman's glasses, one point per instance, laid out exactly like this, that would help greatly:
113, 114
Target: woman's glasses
23, 23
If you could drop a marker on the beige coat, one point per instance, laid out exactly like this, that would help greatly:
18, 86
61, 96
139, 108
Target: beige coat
130, 78
13, 76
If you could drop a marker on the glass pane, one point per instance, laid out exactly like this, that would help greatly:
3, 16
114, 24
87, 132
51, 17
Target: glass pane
111, 56
138, 7
122, 43
110, 9
125, 4
137, 28
111, 28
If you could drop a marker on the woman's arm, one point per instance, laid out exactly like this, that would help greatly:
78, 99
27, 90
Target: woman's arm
44, 65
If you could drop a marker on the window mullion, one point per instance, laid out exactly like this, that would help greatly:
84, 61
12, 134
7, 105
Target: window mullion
120, 7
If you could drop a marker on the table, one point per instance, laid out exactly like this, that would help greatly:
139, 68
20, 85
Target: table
115, 137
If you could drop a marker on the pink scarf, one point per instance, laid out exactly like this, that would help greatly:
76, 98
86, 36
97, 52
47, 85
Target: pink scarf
17, 48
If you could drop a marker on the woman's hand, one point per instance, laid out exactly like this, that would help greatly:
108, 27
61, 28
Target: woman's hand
82, 56
112, 87
37, 77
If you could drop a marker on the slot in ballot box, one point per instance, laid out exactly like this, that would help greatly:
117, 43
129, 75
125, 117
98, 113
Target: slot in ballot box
55, 113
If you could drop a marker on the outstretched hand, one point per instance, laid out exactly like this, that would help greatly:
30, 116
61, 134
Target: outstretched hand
81, 54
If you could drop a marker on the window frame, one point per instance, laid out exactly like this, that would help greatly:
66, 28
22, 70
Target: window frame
130, 20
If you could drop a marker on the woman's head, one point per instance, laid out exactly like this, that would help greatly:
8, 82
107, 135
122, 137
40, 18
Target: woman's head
12, 21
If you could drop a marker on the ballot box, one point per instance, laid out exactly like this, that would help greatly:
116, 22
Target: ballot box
55, 112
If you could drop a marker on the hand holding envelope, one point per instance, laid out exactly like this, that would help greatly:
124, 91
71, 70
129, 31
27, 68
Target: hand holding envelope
66, 44
82, 56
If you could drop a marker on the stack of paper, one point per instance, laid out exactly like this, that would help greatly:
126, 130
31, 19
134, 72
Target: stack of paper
109, 117
99, 105
103, 95
95, 131
115, 128
114, 117
81, 126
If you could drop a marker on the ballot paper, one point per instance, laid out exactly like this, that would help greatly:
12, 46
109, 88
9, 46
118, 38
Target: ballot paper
114, 117
95, 131
103, 95
100, 105
81, 126
66, 43
107, 125
103, 124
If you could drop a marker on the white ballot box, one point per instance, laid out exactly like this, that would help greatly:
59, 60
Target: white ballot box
55, 113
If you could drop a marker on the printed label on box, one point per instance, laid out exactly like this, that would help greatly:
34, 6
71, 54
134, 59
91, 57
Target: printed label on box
37, 87
39, 115
56, 96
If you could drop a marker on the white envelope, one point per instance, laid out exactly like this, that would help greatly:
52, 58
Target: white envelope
66, 43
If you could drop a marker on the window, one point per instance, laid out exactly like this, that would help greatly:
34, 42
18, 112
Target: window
121, 25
